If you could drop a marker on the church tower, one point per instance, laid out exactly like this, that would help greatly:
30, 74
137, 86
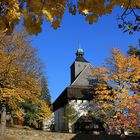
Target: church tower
79, 64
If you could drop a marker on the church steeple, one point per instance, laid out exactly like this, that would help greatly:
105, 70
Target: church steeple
79, 64
79, 55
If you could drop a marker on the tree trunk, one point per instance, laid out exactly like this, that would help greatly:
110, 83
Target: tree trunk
69, 127
122, 133
12, 121
3, 122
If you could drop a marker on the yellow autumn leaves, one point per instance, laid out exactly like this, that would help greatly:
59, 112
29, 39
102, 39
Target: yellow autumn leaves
20, 71
33, 12
117, 91
48, 15
10, 15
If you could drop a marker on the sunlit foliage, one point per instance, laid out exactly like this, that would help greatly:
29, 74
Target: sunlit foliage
33, 12
117, 93
20, 71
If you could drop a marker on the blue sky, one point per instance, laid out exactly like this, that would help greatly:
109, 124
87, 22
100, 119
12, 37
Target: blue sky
57, 48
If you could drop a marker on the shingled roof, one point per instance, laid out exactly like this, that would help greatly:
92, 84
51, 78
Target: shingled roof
81, 59
72, 93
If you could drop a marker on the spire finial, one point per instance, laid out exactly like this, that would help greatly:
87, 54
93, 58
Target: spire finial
79, 45
79, 52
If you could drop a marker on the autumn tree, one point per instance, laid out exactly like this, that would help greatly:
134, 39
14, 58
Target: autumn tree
20, 72
70, 116
116, 90
45, 94
33, 12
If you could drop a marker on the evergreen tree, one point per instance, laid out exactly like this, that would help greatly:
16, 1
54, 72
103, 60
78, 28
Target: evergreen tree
133, 50
45, 94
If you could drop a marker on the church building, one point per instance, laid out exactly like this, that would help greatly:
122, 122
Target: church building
76, 94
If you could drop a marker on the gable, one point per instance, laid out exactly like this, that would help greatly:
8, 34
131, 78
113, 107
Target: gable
84, 78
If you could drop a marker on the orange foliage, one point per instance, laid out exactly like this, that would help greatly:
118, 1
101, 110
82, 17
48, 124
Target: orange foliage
115, 91
20, 71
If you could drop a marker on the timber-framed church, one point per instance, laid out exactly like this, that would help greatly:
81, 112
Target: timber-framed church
77, 93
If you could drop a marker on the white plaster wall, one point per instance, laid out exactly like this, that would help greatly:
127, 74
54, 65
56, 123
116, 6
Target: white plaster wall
59, 119
81, 106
